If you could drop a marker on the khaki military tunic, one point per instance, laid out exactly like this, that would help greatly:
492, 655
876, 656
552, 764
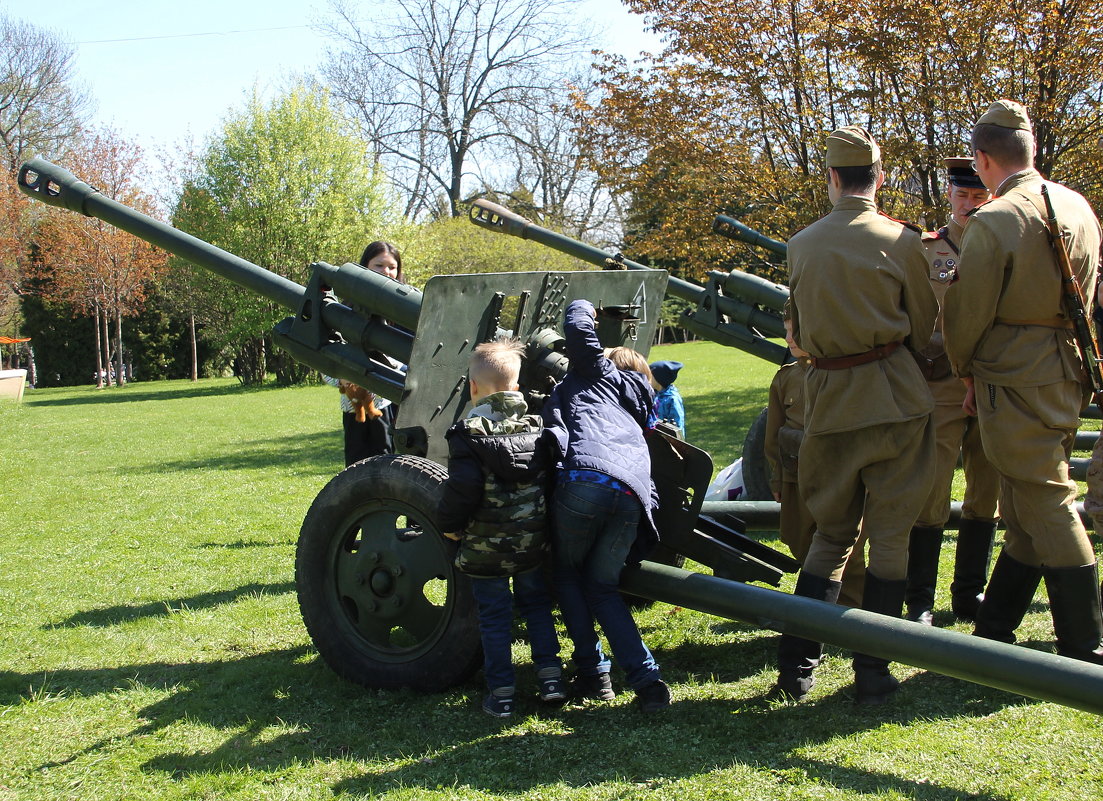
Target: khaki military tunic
1004, 327
955, 431
784, 433
859, 281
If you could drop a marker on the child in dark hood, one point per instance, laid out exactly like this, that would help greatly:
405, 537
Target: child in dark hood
596, 417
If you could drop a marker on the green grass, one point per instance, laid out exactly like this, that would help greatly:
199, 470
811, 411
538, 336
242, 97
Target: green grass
152, 647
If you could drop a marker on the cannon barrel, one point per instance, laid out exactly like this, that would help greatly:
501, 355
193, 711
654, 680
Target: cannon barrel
1035, 674
733, 229
58, 187
377, 298
732, 319
494, 217
766, 515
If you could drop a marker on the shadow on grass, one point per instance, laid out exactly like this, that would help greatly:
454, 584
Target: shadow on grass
148, 391
127, 613
313, 454
282, 709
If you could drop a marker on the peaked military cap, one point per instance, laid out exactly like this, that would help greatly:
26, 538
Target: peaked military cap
1007, 114
852, 146
959, 172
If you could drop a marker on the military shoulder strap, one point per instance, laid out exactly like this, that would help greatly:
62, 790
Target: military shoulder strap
905, 223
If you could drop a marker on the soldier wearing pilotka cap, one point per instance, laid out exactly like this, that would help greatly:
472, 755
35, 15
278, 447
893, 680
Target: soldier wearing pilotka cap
860, 300
1010, 338
956, 433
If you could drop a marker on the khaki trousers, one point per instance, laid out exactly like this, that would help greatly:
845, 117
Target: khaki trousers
797, 530
875, 479
957, 432
1028, 434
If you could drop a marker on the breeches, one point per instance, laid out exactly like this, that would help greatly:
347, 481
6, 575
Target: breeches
956, 432
1028, 434
876, 477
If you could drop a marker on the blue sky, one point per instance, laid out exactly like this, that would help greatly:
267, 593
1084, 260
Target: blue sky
161, 72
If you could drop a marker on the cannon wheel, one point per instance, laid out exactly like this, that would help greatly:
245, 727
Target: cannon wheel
756, 470
377, 589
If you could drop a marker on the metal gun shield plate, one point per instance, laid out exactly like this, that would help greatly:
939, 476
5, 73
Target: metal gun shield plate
459, 312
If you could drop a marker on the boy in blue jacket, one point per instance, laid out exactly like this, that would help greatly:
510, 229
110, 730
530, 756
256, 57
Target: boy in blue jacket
595, 418
494, 496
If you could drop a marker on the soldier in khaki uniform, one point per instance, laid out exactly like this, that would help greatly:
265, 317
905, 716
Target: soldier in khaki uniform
955, 433
1008, 336
784, 433
860, 299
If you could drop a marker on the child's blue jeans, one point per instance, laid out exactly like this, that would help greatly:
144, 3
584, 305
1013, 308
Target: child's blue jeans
533, 599
595, 526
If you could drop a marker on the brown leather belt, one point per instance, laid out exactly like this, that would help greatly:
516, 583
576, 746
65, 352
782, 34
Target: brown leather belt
855, 359
1048, 322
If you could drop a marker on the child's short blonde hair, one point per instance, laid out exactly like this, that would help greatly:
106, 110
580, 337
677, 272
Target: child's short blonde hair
496, 365
627, 359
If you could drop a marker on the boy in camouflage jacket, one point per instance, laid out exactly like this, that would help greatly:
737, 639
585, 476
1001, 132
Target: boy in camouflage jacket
494, 502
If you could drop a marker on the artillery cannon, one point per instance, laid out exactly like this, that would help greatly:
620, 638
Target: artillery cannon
379, 594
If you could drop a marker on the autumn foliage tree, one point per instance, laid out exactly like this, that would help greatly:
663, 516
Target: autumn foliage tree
732, 115
93, 266
41, 110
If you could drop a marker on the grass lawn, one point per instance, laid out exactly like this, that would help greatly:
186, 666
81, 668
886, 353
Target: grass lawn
152, 646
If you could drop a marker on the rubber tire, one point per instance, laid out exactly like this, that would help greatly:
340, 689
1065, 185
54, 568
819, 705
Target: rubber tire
756, 470
362, 575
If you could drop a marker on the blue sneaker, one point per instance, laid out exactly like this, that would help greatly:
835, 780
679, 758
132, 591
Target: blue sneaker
552, 688
499, 705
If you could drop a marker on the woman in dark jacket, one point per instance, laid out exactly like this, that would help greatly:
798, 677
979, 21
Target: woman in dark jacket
596, 419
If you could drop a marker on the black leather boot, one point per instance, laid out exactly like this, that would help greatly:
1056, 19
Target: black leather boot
974, 552
1074, 604
796, 656
1006, 598
873, 683
924, 546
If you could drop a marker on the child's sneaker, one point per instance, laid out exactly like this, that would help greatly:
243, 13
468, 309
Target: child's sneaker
499, 702
598, 687
552, 689
654, 696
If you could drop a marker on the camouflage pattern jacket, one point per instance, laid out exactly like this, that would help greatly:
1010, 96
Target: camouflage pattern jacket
495, 492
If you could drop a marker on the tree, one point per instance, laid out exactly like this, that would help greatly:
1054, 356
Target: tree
41, 107
549, 178
453, 246
732, 114
283, 185
41, 110
436, 86
92, 265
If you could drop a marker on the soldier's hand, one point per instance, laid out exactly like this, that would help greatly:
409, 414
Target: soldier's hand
969, 405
